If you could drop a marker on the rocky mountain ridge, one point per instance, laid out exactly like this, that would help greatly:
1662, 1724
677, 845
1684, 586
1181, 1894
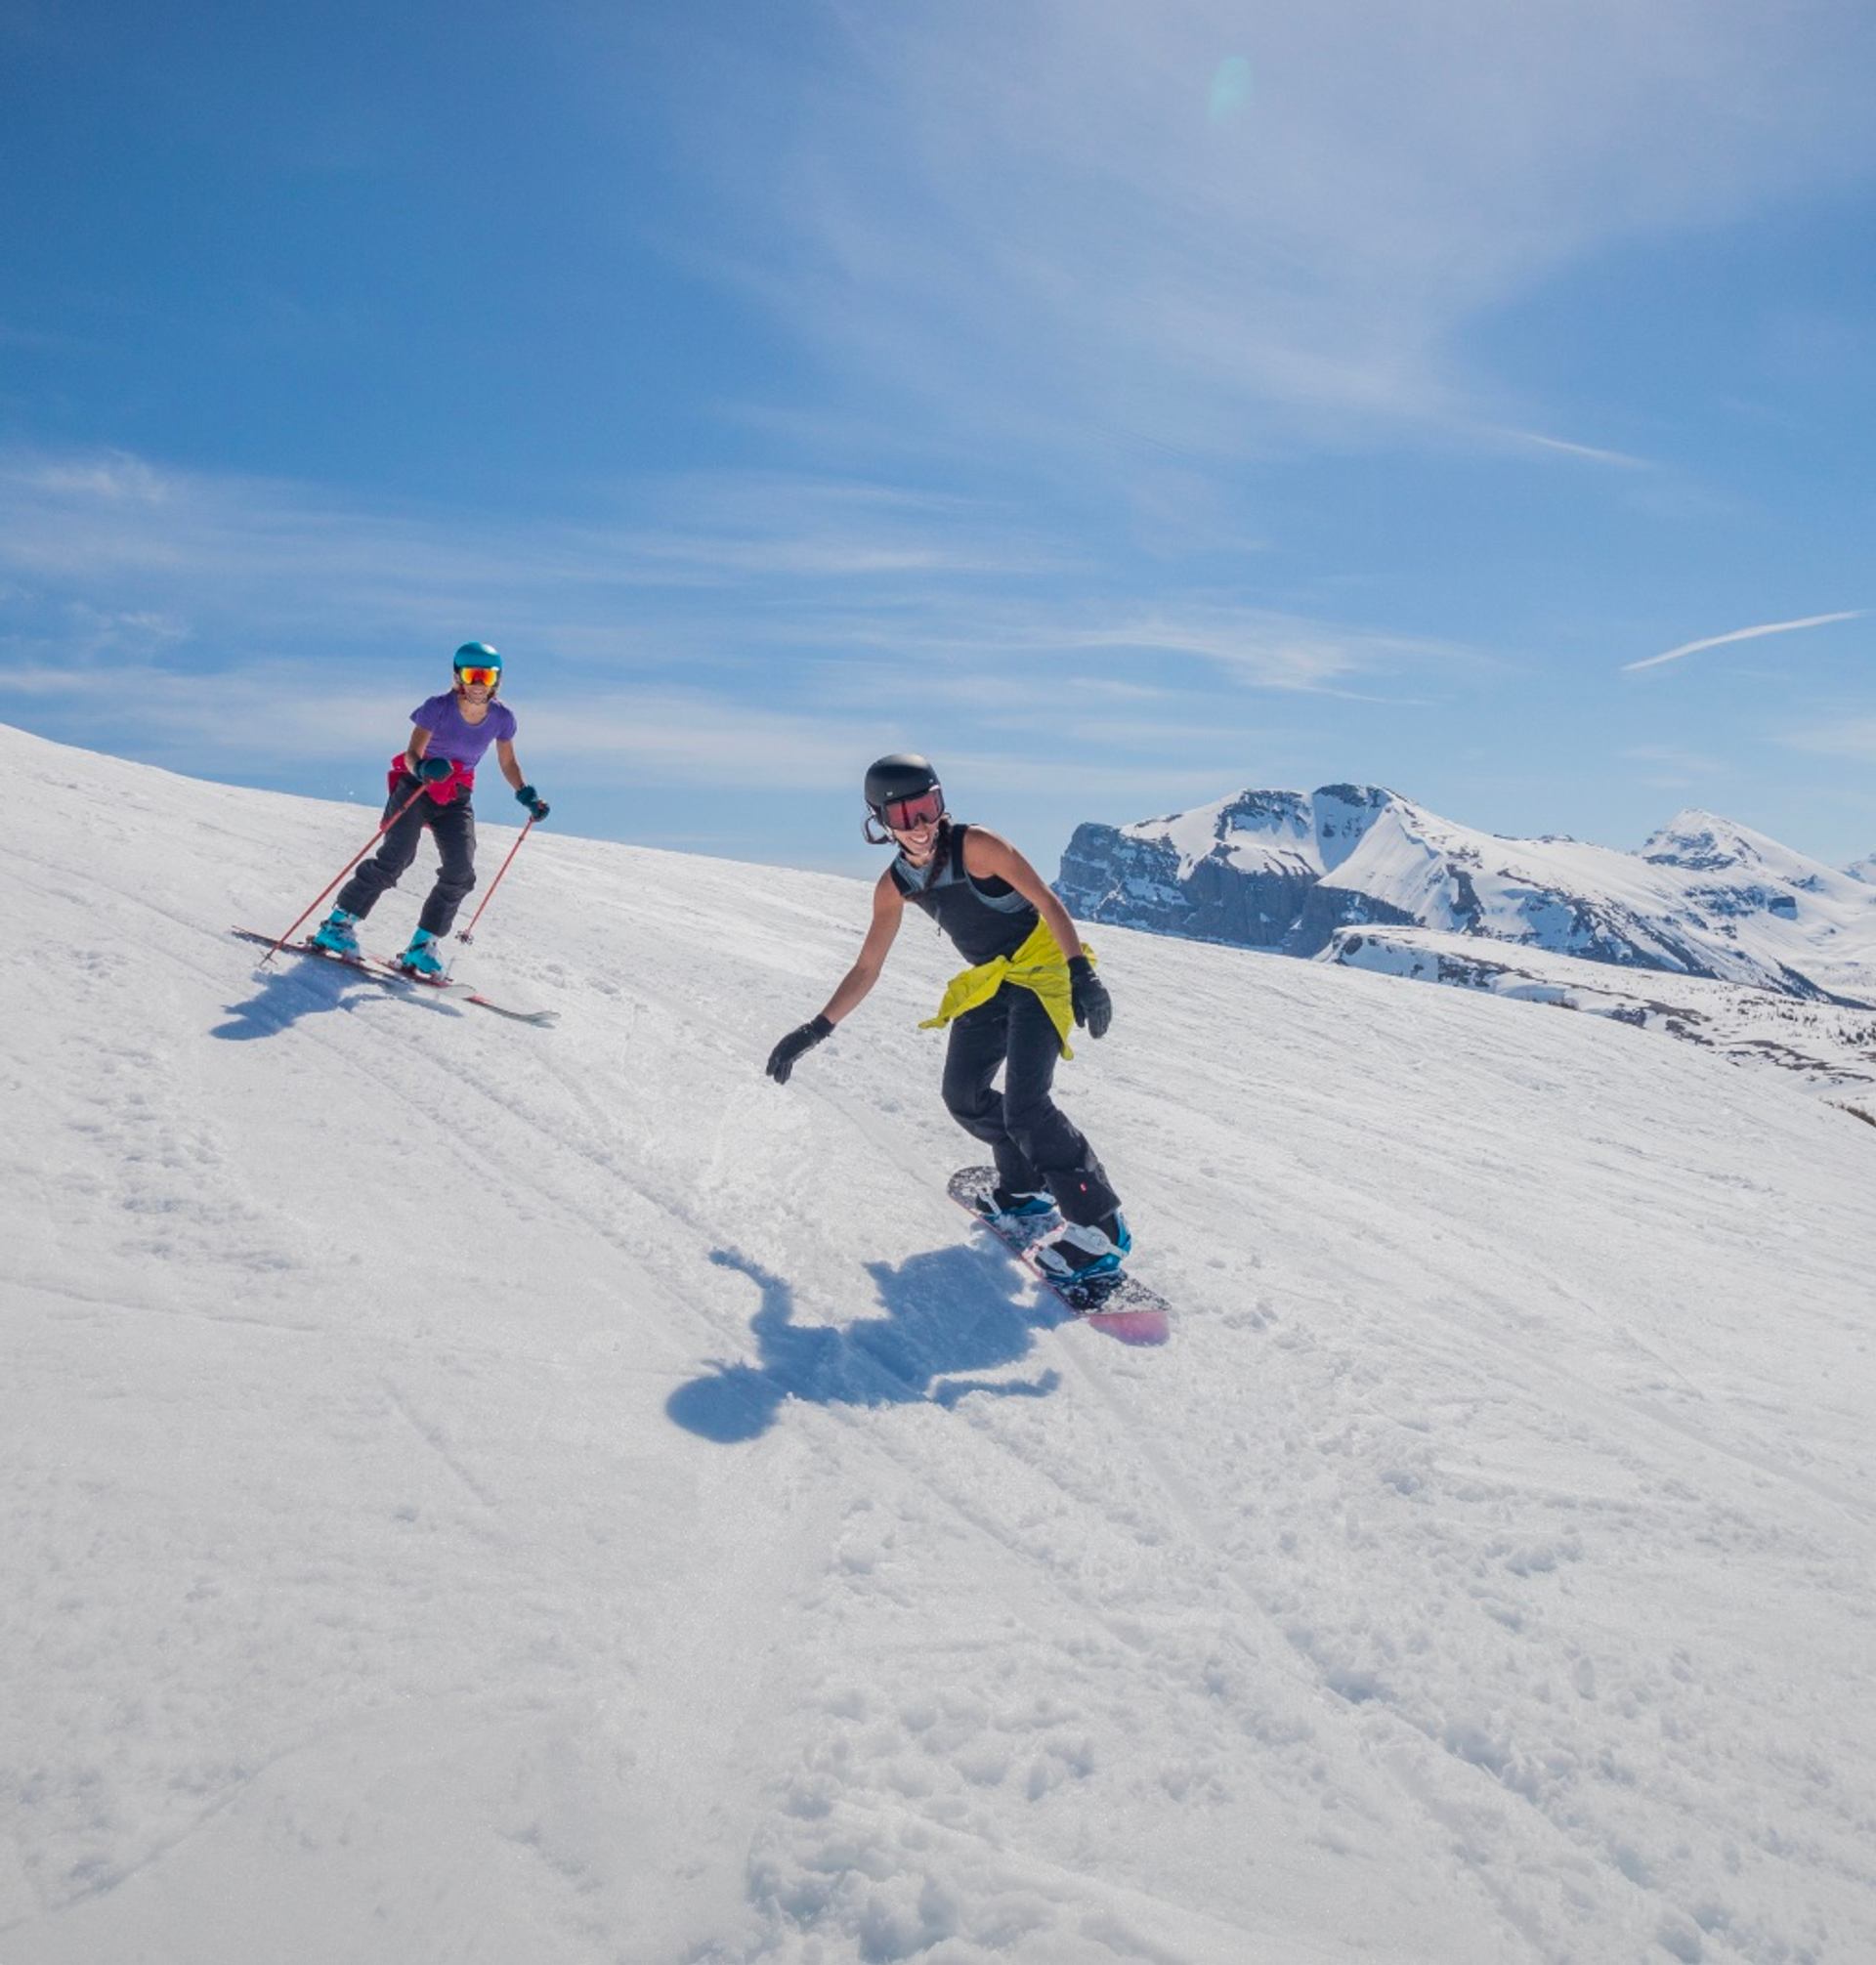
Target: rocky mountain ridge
1288, 871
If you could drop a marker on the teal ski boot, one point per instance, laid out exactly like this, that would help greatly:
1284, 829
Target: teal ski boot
335, 934
420, 958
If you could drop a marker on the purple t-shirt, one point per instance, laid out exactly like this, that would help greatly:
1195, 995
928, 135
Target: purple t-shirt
450, 736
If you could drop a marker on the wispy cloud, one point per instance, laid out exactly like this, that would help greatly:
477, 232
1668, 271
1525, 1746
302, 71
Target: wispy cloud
772, 629
1741, 634
1041, 220
1853, 738
1273, 650
1668, 767
111, 515
1672, 758
122, 559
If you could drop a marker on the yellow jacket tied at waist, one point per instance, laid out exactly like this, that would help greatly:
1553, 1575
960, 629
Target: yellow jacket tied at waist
1038, 966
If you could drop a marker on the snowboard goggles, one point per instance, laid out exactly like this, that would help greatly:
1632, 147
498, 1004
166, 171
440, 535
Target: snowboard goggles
907, 815
479, 678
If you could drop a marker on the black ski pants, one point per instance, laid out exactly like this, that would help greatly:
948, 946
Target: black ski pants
454, 827
1034, 1141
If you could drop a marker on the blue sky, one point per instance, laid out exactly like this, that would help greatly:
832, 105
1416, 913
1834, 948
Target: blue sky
1123, 404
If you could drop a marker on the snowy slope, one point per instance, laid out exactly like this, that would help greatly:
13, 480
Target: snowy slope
1829, 1048
477, 1493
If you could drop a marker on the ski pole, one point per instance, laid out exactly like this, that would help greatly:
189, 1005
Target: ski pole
384, 826
469, 934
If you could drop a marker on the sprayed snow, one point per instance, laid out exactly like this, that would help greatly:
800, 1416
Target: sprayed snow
473, 1493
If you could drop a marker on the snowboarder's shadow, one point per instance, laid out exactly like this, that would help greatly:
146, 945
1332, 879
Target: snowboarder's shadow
950, 1311
308, 987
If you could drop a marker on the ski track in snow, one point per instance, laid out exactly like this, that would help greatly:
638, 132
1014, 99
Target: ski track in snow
472, 1492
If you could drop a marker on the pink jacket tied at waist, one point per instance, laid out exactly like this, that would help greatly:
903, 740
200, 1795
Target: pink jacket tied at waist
460, 781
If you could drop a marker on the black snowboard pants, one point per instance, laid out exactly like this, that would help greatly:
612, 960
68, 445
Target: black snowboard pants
454, 827
1034, 1141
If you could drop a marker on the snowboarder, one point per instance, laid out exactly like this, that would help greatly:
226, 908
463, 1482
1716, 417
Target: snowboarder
1030, 978
449, 737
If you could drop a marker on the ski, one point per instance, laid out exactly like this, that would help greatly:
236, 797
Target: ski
543, 1018
376, 968
1116, 1304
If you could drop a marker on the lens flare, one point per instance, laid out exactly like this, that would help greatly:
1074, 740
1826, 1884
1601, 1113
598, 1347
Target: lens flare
1230, 88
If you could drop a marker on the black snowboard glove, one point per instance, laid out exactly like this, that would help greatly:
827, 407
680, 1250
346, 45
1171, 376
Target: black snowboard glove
1094, 1006
535, 802
434, 770
804, 1037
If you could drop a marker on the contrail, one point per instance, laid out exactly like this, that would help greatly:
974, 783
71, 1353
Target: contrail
1742, 634
1590, 451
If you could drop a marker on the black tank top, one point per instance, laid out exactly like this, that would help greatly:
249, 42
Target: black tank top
984, 917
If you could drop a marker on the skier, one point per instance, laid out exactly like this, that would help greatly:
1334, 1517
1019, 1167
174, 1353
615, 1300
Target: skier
449, 737
1013, 1008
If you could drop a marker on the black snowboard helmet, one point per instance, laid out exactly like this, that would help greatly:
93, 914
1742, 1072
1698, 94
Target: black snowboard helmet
903, 775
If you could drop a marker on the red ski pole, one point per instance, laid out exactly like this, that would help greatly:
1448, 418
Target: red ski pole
469, 934
384, 826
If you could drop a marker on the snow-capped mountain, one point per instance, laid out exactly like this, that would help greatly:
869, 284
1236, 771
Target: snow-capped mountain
1863, 870
1240, 870
1279, 869
475, 1493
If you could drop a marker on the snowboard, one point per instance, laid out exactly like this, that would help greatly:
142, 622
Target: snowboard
1119, 1304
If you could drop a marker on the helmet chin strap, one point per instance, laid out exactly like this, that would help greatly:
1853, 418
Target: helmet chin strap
940, 839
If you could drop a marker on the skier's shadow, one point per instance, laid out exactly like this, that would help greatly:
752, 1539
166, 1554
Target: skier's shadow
950, 1311
310, 988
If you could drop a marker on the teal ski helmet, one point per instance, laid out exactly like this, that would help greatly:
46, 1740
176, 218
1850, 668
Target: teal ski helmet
474, 655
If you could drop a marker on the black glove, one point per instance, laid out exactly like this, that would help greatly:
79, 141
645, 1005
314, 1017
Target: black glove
804, 1037
434, 770
536, 805
1094, 1006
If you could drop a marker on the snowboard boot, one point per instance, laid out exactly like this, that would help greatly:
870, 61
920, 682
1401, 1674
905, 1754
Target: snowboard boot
335, 934
1077, 1252
420, 958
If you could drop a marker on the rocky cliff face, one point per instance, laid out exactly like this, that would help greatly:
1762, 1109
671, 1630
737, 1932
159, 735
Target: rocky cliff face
1238, 870
1288, 872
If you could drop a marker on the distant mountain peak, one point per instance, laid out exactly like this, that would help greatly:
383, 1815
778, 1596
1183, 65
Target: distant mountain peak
1284, 871
1702, 842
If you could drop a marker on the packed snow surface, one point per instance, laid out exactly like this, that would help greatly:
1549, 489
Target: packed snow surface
470, 1492
1829, 1047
